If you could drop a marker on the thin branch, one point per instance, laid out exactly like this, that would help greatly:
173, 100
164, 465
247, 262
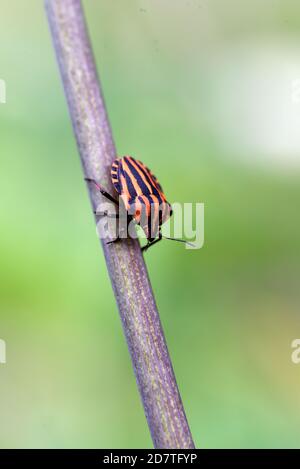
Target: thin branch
125, 263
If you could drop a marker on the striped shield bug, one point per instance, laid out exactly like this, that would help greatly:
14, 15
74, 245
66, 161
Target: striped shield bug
142, 197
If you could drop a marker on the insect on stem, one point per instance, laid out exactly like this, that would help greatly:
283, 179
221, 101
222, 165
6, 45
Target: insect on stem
128, 273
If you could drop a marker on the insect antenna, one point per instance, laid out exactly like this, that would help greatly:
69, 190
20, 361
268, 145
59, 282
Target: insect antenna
180, 240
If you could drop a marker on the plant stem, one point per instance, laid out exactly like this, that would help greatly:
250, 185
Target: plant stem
142, 327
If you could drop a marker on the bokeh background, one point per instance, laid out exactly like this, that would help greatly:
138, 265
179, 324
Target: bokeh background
207, 94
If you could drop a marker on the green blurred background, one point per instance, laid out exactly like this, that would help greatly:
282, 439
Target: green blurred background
206, 94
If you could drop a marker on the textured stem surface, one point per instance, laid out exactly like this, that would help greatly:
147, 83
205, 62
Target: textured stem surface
125, 263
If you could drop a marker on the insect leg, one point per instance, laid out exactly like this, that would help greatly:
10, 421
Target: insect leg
113, 241
105, 213
103, 191
149, 244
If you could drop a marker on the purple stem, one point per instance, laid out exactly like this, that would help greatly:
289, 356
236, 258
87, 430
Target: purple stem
147, 346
